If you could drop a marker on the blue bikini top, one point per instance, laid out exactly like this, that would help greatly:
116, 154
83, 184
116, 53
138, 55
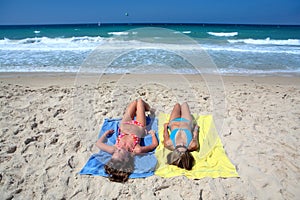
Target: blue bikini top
188, 133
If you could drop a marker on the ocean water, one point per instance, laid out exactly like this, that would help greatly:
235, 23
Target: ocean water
234, 49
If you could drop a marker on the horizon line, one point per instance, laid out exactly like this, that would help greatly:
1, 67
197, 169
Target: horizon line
148, 23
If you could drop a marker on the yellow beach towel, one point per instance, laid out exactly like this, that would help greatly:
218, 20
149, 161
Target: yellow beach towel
210, 159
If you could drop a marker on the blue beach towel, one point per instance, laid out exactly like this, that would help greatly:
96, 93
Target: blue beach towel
144, 164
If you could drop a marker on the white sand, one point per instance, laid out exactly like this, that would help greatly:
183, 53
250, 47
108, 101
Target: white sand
49, 125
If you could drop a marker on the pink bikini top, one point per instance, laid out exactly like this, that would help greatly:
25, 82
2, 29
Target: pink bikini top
136, 139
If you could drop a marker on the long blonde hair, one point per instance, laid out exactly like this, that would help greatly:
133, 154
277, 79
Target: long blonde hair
119, 170
182, 159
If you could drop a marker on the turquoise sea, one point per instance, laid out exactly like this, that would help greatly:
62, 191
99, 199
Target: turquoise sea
235, 49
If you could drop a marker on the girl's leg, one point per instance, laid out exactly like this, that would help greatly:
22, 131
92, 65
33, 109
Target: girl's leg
185, 112
130, 112
176, 112
142, 106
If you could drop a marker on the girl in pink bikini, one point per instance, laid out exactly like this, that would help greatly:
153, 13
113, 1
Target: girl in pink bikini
121, 164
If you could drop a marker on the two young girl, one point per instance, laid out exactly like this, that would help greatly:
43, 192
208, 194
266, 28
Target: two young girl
183, 139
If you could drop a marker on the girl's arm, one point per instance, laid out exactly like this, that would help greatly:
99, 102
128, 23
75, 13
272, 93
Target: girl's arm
101, 145
167, 141
194, 145
144, 149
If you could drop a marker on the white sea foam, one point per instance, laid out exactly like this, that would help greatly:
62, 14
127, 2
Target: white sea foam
180, 32
223, 34
36, 32
267, 41
255, 49
86, 43
67, 54
262, 72
52, 44
118, 33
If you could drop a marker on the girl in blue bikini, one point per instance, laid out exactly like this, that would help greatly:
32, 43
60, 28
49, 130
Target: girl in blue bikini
181, 140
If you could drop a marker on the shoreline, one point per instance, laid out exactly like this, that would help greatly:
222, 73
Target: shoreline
283, 74
69, 78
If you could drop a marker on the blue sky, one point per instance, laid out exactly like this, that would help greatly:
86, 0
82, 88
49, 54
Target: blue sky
153, 11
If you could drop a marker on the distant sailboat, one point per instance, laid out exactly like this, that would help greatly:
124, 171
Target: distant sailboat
99, 23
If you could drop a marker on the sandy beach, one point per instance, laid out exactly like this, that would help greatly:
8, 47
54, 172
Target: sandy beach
50, 122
